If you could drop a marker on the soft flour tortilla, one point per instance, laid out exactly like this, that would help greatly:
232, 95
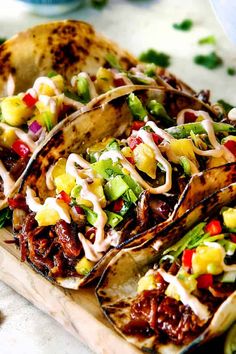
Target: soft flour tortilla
118, 285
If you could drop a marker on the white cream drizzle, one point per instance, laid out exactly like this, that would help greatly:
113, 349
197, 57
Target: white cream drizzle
181, 115
232, 114
185, 297
43, 80
8, 182
21, 135
10, 85
53, 203
49, 102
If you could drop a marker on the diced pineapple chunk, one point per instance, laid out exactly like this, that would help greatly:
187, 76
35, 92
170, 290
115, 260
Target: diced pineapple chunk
187, 281
59, 82
146, 283
215, 162
183, 147
101, 145
64, 182
14, 111
59, 168
104, 80
228, 138
97, 189
84, 266
229, 216
47, 216
8, 137
208, 260
127, 152
145, 161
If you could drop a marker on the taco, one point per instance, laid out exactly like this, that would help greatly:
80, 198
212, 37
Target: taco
113, 172
64, 66
178, 290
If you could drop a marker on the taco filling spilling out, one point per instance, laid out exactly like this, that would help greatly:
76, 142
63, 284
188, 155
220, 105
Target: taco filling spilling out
117, 189
178, 297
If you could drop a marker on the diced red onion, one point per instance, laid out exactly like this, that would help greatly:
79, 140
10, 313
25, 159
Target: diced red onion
35, 127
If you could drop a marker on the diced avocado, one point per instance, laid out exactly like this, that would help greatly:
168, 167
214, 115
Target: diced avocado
84, 266
136, 107
47, 216
229, 216
83, 89
113, 145
158, 111
228, 277
106, 168
64, 182
115, 188
146, 283
145, 159
14, 111
75, 192
208, 260
113, 219
136, 188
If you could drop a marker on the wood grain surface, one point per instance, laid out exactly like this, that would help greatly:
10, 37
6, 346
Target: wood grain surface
77, 311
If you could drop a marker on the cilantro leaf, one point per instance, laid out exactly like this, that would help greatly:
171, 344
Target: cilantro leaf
158, 58
99, 4
185, 25
231, 71
5, 216
210, 61
2, 40
225, 105
207, 40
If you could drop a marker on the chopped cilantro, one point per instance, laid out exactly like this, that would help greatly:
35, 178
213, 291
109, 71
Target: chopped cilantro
2, 40
5, 216
231, 71
99, 4
210, 61
158, 58
207, 40
185, 25
225, 105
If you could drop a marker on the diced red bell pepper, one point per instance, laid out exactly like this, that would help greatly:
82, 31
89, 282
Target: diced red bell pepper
18, 202
189, 117
157, 139
231, 146
20, 148
187, 258
131, 160
205, 281
118, 204
133, 142
29, 100
79, 210
119, 82
90, 231
213, 227
137, 125
64, 196
233, 237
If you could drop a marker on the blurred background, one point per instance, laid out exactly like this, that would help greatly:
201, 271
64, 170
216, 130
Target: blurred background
195, 48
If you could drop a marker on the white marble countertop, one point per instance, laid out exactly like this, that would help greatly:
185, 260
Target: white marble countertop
135, 25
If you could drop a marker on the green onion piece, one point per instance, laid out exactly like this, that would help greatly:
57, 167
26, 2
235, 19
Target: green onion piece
83, 89
113, 219
150, 70
90, 214
185, 163
52, 74
115, 188
207, 40
136, 107
113, 61
185, 25
184, 130
158, 58
231, 71
210, 61
158, 111
47, 118
5, 216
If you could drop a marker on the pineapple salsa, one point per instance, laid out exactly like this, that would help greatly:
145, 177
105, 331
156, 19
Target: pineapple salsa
118, 188
26, 118
190, 281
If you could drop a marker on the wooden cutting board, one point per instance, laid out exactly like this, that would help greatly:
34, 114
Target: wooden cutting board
77, 311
